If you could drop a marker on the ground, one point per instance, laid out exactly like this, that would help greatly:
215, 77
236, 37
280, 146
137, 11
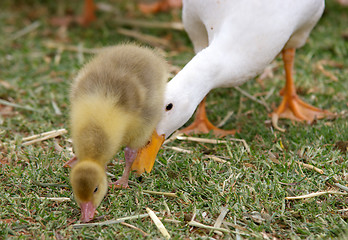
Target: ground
38, 62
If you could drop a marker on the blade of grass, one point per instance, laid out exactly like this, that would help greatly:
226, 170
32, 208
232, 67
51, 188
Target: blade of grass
4, 102
314, 195
109, 222
158, 223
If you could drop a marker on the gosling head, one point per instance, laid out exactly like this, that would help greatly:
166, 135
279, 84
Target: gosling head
89, 183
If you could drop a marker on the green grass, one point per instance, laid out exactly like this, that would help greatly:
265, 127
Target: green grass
250, 184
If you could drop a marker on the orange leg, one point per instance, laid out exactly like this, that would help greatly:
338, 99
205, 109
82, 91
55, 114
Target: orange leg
292, 106
201, 124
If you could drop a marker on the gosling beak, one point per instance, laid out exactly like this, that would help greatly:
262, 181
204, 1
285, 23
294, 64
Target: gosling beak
147, 155
87, 211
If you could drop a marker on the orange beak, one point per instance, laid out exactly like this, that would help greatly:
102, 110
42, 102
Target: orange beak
147, 155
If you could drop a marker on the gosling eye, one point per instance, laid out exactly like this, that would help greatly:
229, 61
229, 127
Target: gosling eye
169, 107
95, 190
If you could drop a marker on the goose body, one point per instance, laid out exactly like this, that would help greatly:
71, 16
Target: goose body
235, 40
115, 101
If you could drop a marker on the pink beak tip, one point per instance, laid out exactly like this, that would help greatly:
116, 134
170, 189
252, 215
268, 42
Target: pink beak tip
87, 211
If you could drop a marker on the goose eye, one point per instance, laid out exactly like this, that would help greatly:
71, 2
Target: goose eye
169, 106
95, 190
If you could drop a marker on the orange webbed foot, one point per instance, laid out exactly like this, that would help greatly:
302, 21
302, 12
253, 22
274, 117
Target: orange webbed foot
202, 124
292, 107
205, 126
295, 109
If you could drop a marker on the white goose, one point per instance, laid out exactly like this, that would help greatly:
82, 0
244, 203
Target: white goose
234, 41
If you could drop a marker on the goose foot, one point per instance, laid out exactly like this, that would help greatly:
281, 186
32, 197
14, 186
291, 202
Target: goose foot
292, 107
202, 124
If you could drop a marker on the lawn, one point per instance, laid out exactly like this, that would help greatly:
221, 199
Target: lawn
245, 184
